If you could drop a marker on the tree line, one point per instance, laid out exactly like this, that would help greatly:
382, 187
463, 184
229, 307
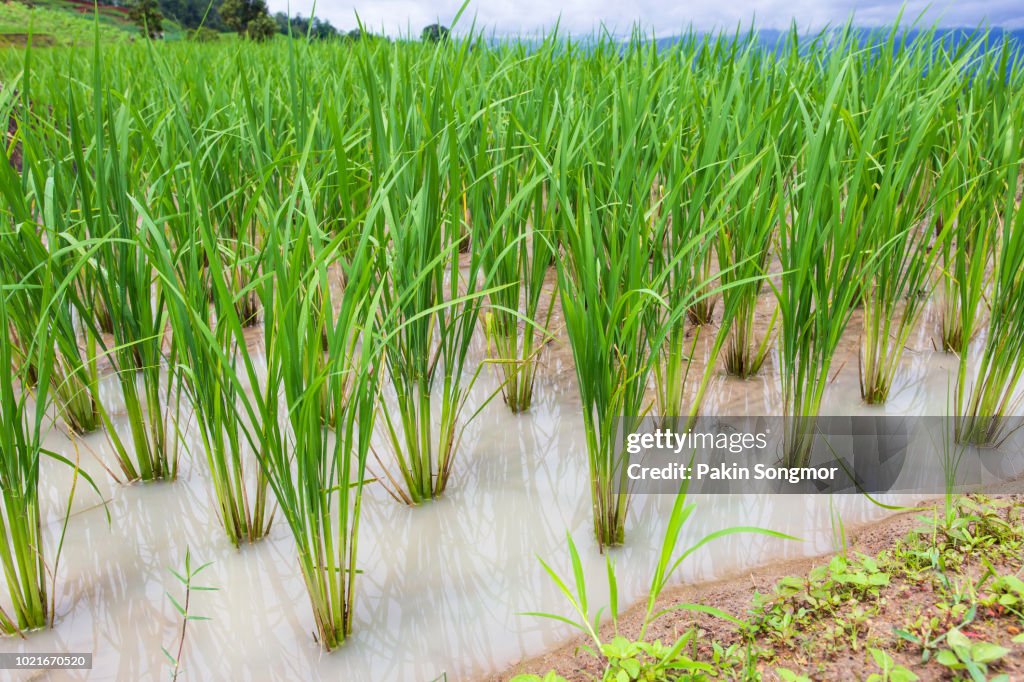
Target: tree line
204, 20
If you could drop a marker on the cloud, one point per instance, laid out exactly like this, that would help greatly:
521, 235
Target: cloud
519, 17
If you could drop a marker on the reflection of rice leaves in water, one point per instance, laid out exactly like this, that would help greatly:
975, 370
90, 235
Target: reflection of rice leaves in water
618, 142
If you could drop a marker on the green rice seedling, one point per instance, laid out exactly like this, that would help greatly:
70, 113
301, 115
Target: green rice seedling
21, 538
316, 473
707, 104
702, 179
966, 212
672, 370
207, 350
318, 481
327, 531
601, 175
280, 393
104, 147
512, 227
981, 412
748, 229
744, 257
36, 249
199, 255
346, 192
895, 299
429, 300
23, 412
126, 287
823, 250
605, 309
702, 171
239, 251
225, 164
903, 135
74, 375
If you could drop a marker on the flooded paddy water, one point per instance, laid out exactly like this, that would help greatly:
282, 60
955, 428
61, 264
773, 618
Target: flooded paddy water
443, 584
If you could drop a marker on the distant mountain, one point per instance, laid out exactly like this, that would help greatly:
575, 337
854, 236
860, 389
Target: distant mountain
772, 40
777, 41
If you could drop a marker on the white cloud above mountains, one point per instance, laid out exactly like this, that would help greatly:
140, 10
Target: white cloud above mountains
529, 17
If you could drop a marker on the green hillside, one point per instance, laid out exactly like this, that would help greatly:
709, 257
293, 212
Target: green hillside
67, 22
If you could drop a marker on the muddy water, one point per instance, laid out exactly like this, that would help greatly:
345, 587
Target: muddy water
443, 583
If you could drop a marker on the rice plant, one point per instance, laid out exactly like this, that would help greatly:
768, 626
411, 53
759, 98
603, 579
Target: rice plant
428, 299
102, 146
74, 375
973, 184
207, 346
237, 170
981, 412
21, 537
615, 317
318, 476
905, 131
26, 390
750, 224
512, 227
137, 355
38, 248
966, 212
823, 250
699, 178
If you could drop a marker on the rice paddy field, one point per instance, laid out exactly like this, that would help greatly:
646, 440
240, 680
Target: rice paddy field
317, 359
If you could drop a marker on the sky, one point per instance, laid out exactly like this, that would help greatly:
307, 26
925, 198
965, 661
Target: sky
664, 18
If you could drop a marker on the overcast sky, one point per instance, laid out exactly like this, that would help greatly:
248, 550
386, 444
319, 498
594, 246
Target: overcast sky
512, 17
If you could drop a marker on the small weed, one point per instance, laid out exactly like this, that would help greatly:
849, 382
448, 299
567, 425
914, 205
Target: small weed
184, 609
652, 661
891, 671
826, 589
973, 657
1006, 595
925, 634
